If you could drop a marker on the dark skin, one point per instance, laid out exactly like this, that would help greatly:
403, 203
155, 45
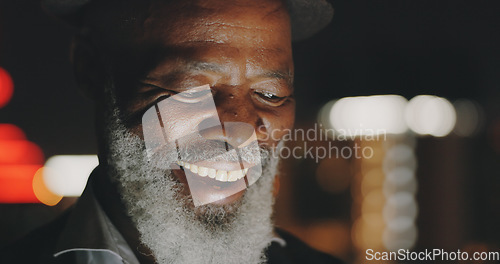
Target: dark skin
242, 49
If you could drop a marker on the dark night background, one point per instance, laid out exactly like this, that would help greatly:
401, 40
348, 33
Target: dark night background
445, 48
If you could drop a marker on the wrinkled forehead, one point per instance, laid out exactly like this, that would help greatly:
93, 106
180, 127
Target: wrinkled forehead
245, 22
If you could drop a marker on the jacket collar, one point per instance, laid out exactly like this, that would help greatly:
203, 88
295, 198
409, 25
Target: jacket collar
89, 232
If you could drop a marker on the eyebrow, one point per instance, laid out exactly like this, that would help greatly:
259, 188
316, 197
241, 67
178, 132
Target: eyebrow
215, 67
185, 66
201, 66
276, 74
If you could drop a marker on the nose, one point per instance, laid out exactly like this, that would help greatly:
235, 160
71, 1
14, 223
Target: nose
236, 134
236, 123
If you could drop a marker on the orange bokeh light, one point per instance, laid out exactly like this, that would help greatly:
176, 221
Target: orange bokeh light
41, 191
6, 87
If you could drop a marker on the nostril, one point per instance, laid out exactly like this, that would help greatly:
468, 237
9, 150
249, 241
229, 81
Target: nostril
238, 134
211, 129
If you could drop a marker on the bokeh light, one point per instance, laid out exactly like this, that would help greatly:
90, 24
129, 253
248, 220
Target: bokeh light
16, 182
20, 152
19, 160
42, 193
11, 132
430, 115
355, 117
6, 87
66, 175
369, 115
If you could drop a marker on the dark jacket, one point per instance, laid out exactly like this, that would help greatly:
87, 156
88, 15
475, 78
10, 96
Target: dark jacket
39, 245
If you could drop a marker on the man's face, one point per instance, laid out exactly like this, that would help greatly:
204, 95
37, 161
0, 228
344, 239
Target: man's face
164, 51
241, 50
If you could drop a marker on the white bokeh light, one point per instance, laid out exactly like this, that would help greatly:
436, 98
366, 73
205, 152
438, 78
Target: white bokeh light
67, 175
430, 115
369, 115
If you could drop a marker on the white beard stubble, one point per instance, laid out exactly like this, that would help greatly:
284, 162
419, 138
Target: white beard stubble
174, 231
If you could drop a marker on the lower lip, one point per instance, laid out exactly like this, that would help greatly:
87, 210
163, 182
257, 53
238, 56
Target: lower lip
230, 199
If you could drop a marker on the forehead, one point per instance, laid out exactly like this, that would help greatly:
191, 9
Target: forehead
238, 23
146, 34
221, 31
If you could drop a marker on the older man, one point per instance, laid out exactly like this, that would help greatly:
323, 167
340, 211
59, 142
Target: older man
187, 95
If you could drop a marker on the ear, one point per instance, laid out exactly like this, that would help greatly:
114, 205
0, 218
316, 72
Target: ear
90, 71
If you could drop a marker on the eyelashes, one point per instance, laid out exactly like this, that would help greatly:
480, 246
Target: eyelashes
270, 98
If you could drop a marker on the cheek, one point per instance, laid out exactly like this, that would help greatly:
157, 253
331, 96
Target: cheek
279, 123
165, 128
177, 126
170, 120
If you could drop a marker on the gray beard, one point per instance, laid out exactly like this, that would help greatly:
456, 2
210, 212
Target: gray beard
169, 225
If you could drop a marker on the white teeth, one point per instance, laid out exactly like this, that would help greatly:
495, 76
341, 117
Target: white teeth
202, 171
220, 175
212, 173
234, 175
193, 168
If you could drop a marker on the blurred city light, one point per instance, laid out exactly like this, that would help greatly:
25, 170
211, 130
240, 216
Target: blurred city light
19, 158
42, 193
353, 117
20, 152
368, 115
11, 132
384, 188
6, 87
66, 175
324, 116
430, 115
16, 182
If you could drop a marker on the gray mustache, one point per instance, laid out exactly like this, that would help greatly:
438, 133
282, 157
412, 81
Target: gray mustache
214, 151
220, 151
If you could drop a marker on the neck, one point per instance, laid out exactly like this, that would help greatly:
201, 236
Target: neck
109, 198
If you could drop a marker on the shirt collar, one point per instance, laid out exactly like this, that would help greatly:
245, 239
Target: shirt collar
90, 231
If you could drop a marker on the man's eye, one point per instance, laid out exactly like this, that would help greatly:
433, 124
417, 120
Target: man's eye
270, 98
193, 96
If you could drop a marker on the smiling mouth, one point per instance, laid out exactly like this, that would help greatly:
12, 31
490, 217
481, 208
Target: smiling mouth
216, 174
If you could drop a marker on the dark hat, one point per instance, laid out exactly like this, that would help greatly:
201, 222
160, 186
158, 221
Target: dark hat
307, 16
